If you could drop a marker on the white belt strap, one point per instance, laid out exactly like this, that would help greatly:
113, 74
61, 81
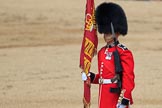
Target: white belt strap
105, 81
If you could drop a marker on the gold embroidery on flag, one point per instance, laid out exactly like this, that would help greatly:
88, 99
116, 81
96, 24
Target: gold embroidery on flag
89, 47
93, 19
87, 65
89, 22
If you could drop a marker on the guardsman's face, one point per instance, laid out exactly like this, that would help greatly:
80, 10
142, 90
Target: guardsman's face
108, 38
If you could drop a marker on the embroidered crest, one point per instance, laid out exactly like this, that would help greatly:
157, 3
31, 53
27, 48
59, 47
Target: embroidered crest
108, 55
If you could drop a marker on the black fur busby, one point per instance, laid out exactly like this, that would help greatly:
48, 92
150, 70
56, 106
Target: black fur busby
111, 12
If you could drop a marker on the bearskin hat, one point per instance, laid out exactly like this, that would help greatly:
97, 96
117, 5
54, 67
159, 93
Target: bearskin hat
111, 12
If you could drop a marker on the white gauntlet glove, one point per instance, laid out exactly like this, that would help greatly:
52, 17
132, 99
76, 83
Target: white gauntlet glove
120, 106
90, 76
84, 76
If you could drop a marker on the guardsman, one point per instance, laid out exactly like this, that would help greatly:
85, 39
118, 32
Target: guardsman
107, 13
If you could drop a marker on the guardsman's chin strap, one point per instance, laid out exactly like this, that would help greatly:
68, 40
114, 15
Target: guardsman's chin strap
118, 66
112, 44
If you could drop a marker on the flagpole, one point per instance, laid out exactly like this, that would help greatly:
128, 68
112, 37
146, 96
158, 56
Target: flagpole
88, 49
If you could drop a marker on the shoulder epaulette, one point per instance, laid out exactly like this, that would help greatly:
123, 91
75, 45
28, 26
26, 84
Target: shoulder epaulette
122, 46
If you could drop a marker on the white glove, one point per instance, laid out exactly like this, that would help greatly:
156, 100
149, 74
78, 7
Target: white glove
120, 106
84, 76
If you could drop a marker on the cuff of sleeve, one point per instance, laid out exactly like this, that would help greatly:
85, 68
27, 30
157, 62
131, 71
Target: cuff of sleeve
92, 76
125, 102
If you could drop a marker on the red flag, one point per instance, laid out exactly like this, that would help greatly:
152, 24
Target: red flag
89, 47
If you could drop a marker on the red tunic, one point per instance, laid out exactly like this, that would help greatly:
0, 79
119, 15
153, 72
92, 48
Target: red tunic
106, 70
